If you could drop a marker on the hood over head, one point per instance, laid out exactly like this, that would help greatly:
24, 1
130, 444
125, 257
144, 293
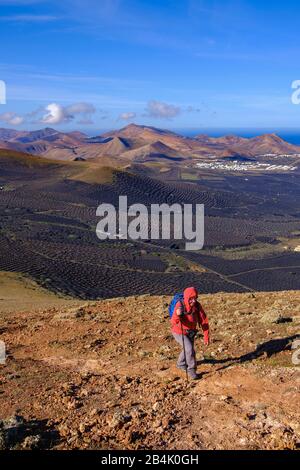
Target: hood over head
187, 294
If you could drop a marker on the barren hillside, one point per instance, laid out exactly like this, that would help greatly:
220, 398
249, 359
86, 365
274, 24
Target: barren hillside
139, 143
102, 375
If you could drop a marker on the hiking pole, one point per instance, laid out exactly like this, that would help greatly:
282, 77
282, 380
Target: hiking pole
186, 372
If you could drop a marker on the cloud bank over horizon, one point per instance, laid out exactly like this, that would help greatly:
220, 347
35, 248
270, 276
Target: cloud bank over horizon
81, 113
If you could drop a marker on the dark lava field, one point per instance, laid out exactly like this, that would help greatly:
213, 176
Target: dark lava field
48, 221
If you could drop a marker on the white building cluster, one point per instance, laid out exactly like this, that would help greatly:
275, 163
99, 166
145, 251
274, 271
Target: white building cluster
235, 165
276, 155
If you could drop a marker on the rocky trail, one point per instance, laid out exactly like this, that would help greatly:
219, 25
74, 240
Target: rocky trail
102, 375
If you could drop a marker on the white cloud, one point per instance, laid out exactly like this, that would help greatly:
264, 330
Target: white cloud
16, 121
127, 116
80, 108
158, 109
53, 114
11, 118
33, 114
57, 114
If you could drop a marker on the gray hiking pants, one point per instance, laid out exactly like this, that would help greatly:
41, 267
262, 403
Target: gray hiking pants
189, 352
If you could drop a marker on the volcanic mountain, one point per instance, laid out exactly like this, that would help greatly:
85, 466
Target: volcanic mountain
264, 144
153, 151
40, 141
140, 144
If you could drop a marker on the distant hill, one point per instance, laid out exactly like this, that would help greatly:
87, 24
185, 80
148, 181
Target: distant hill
140, 144
153, 151
135, 131
19, 166
11, 159
266, 143
40, 141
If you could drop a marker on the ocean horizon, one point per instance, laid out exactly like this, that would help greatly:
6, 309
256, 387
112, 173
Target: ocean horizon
290, 135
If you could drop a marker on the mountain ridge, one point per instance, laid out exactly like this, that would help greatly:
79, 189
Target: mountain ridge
133, 141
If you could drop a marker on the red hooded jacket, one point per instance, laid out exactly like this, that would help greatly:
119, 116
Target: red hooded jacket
193, 317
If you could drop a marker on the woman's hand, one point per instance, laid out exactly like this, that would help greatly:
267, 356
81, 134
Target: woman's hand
206, 340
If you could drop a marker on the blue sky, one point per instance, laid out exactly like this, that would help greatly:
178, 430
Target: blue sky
100, 64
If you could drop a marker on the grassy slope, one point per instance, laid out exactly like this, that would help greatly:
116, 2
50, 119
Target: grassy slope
19, 293
89, 172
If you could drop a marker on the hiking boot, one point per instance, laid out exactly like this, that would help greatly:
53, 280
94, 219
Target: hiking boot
181, 367
193, 374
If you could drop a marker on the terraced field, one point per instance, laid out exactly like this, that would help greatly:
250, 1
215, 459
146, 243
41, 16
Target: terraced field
48, 220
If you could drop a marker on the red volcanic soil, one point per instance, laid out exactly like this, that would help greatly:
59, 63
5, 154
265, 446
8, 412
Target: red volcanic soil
102, 375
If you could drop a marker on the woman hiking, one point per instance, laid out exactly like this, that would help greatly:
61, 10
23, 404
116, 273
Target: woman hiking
188, 314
